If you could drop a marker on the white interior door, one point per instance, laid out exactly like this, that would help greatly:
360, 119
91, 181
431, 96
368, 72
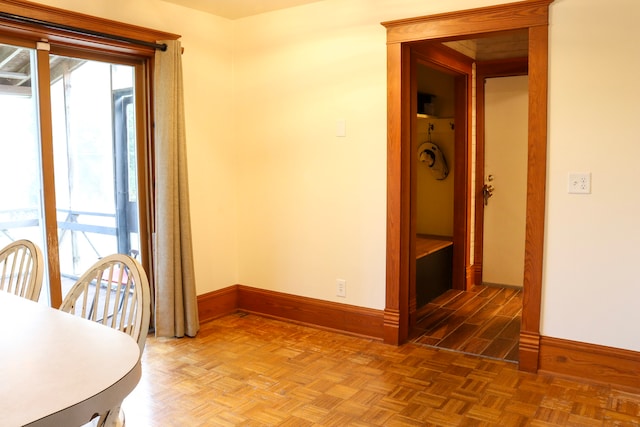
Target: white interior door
506, 112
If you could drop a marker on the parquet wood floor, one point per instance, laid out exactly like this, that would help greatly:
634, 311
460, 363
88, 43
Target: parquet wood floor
483, 321
246, 370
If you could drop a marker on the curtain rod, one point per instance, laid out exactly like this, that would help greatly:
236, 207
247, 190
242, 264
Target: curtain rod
82, 31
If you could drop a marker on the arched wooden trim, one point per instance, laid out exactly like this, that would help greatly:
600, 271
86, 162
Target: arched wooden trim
531, 15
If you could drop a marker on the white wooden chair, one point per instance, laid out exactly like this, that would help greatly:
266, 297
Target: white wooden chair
22, 269
114, 292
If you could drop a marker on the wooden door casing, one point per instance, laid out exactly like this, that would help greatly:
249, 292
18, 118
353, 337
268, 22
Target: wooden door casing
530, 15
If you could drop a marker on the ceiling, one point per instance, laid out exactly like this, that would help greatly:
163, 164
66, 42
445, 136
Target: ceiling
235, 9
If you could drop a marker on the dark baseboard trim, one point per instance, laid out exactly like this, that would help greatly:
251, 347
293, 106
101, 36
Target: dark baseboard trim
353, 320
601, 364
217, 303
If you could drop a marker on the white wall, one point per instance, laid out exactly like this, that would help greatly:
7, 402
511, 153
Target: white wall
311, 206
591, 284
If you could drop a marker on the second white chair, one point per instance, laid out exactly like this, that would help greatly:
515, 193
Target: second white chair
113, 292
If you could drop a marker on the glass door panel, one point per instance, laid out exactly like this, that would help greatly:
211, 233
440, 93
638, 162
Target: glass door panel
92, 108
21, 203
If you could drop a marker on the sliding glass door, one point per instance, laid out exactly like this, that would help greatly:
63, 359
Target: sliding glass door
21, 195
93, 144
95, 162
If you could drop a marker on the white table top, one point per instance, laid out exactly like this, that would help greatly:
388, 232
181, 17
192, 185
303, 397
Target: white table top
57, 369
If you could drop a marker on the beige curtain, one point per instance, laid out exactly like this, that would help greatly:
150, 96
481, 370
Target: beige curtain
176, 310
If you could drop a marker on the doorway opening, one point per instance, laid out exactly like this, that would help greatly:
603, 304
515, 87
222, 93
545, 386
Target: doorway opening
482, 315
532, 17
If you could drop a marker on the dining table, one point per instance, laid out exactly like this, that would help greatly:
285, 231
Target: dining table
57, 369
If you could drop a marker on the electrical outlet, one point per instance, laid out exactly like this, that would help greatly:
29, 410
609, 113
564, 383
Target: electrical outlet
341, 288
580, 183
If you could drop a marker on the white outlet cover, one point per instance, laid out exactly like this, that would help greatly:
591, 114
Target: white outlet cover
579, 183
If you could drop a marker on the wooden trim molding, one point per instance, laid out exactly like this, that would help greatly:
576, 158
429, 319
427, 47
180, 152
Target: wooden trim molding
217, 303
502, 68
396, 313
358, 321
330, 315
78, 20
528, 350
401, 35
473, 274
444, 58
591, 362
536, 188
462, 23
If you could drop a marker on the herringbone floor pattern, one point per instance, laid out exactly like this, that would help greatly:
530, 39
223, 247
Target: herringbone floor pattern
245, 370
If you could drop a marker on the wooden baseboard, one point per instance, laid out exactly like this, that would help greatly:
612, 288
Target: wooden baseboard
217, 303
590, 362
528, 351
343, 318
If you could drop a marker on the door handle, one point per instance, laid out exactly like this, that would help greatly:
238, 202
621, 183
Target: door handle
487, 192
